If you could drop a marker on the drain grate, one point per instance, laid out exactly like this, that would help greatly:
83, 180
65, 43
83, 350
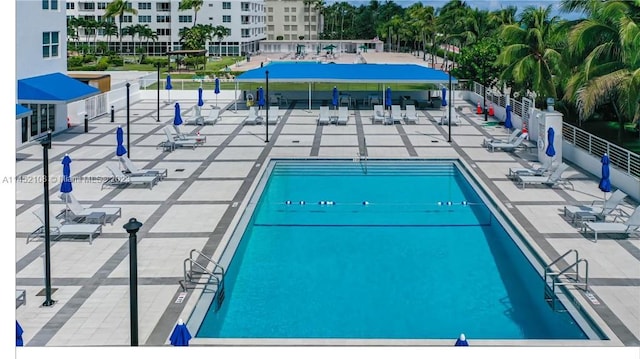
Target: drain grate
179, 169
295, 141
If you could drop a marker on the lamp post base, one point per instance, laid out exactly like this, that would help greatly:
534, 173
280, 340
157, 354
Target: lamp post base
48, 303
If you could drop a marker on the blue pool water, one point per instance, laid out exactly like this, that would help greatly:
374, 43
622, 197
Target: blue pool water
387, 257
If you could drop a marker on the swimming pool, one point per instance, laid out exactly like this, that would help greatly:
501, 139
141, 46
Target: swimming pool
382, 249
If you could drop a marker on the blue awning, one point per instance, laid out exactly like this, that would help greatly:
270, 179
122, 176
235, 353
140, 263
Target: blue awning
362, 73
22, 111
55, 87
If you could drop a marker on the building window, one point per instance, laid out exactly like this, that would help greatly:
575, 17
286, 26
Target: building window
294, 27
293, 18
163, 18
144, 6
245, 33
313, 18
185, 18
286, 18
270, 17
50, 44
293, 9
163, 32
287, 37
313, 27
144, 18
226, 18
226, 5
286, 9
71, 6
286, 27
127, 18
86, 6
270, 28
269, 9
49, 4
163, 6
102, 5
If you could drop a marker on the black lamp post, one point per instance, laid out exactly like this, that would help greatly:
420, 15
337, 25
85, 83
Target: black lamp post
450, 119
158, 118
266, 136
46, 145
132, 228
128, 131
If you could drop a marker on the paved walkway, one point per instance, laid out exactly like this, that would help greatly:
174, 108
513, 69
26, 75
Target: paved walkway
195, 205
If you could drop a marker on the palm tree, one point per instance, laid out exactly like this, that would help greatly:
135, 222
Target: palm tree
73, 25
145, 32
131, 30
529, 56
110, 29
220, 32
119, 8
194, 5
608, 44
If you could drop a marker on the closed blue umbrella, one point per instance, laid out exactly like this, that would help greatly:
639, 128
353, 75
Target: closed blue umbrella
387, 99
551, 151
19, 332
507, 121
216, 89
66, 187
200, 101
261, 100
462, 341
444, 96
168, 87
605, 182
334, 97
177, 119
120, 150
180, 336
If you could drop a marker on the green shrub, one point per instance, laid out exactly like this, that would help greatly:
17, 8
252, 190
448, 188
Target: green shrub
103, 64
116, 60
74, 61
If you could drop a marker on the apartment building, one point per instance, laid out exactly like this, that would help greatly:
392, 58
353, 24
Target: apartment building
292, 20
43, 88
244, 19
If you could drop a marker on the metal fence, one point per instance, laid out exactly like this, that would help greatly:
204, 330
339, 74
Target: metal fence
96, 105
621, 158
519, 108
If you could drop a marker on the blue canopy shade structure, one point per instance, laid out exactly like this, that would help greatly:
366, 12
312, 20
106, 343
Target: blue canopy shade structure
388, 100
444, 96
66, 186
200, 100
334, 97
177, 119
507, 121
19, 332
605, 182
551, 151
120, 149
22, 111
55, 87
462, 341
346, 73
180, 336
261, 101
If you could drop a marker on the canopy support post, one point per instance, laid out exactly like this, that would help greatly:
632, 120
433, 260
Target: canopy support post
235, 102
309, 96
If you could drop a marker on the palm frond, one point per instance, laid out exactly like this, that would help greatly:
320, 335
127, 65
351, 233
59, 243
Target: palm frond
598, 91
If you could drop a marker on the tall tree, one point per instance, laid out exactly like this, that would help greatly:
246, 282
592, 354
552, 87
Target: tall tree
194, 5
119, 8
220, 32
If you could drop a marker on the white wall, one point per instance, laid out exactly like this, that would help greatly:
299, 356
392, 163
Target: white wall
31, 22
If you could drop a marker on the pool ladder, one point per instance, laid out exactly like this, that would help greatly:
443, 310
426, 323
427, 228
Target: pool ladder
197, 273
568, 276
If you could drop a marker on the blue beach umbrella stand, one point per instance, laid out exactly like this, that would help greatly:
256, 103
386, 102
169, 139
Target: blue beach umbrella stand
444, 100
200, 100
261, 101
177, 119
550, 151
120, 149
216, 89
168, 87
605, 181
507, 120
65, 186
180, 336
334, 97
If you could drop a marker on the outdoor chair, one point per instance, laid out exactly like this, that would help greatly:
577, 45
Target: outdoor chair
396, 115
76, 212
378, 114
507, 139
507, 147
540, 171
130, 168
194, 116
593, 211
343, 115
554, 178
444, 120
119, 179
176, 132
58, 229
629, 226
252, 117
273, 115
213, 118
324, 118
411, 116
178, 143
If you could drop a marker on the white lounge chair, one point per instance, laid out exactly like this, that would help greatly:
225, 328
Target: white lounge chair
58, 229
507, 146
554, 178
213, 118
194, 116
78, 212
343, 115
252, 117
176, 132
130, 168
629, 226
396, 115
119, 179
444, 120
273, 114
506, 139
539, 171
411, 116
378, 114
324, 118
596, 212
177, 143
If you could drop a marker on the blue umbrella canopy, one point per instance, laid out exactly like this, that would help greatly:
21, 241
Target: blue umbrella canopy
120, 150
444, 96
551, 151
66, 187
507, 121
19, 333
180, 336
334, 97
200, 101
261, 101
177, 119
168, 85
387, 98
216, 89
605, 182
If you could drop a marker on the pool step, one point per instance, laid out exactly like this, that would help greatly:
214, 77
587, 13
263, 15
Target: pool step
372, 168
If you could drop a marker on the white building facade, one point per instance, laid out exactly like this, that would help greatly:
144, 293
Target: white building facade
292, 20
244, 19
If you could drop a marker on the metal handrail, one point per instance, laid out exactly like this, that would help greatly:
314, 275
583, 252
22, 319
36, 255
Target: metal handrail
190, 262
215, 264
559, 259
